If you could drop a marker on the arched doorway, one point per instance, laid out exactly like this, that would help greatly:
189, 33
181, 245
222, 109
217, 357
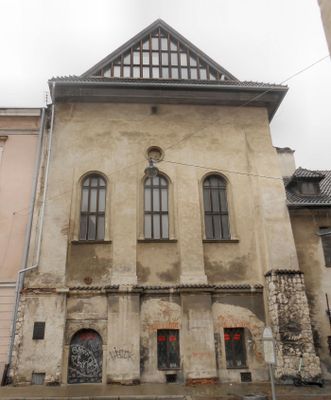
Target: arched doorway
85, 357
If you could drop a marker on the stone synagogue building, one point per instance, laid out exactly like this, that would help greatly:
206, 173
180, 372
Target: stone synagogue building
168, 231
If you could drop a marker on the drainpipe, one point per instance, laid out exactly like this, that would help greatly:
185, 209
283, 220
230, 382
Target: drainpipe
21, 273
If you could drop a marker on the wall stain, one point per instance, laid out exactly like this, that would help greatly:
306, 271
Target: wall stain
143, 273
65, 230
78, 307
88, 260
170, 275
233, 271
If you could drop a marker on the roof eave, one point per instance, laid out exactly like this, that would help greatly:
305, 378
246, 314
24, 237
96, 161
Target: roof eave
296, 206
267, 96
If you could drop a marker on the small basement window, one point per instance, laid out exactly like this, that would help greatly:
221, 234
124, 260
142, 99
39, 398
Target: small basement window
235, 347
38, 378
168, 349
38, 331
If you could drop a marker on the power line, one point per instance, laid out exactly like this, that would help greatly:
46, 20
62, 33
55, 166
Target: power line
193, 133
254, 98
224, 170
287, 79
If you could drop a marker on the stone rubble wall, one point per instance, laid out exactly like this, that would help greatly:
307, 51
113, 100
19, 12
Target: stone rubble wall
18, 340
291, 325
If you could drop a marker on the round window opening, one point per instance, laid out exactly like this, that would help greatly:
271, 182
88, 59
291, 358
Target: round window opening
155, 154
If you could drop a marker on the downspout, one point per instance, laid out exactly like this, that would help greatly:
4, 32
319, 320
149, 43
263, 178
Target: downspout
21, 273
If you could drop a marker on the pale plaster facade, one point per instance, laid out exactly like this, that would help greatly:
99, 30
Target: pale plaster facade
261, 237
128, 289
19, 129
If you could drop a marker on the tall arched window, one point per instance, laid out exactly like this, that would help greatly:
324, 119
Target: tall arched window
156, 218
92, 210
216, 208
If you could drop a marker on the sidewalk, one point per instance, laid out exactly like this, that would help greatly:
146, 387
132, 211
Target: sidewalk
163, 391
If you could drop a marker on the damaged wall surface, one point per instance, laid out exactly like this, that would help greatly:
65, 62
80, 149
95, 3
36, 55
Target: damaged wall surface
159, 275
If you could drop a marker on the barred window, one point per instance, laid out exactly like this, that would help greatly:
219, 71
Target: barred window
235, 347
156, 217
92, 211
216, 208
168, 349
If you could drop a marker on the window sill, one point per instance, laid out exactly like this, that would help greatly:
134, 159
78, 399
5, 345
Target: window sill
157, 240
242, 367
170, 370
75, 242
220, 240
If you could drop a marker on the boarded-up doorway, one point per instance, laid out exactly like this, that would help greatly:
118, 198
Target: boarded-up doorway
85, 357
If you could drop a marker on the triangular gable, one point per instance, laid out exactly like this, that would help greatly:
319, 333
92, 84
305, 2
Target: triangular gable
159, 52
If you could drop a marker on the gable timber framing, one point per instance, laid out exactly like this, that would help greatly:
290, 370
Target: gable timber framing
219, 88
157, 29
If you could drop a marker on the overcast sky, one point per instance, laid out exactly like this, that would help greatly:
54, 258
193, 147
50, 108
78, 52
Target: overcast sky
259, 40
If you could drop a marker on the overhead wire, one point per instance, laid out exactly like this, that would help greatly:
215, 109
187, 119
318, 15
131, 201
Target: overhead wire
255, 97
192, 134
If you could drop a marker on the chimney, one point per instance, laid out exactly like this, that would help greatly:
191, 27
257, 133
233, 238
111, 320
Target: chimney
286, 161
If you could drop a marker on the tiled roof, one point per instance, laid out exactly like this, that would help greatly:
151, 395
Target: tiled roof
206, 286
295, 199
165, 82
307, 173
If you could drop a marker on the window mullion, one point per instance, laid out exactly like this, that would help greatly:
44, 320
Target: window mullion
220, 213
152, 209
212, 211
160, 209
167, 342
97, 210
88, 209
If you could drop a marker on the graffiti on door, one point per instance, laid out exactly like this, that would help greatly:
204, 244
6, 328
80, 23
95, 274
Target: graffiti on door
85, 357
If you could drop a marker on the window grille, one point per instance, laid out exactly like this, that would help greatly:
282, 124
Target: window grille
246, 377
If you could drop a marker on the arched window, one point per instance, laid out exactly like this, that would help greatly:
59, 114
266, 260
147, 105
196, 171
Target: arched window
92, 210
156, 218
216, 208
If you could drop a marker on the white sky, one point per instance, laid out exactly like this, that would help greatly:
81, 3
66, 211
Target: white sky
260, 40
